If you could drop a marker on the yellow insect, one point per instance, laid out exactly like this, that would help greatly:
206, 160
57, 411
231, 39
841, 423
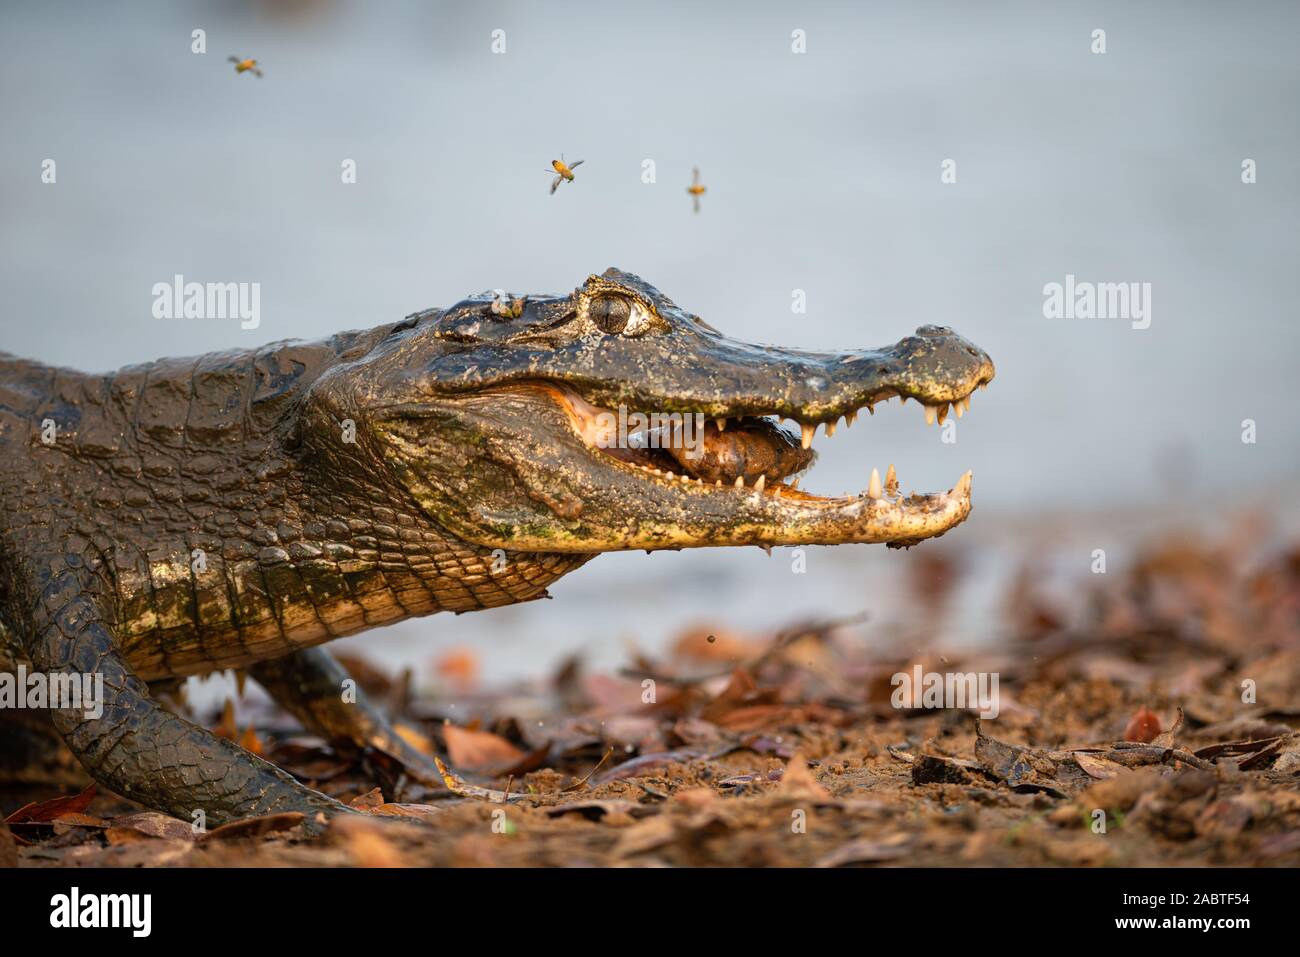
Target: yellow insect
696, 189
565, 171
243, 65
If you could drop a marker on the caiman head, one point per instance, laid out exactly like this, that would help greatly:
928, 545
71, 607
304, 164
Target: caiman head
513, 422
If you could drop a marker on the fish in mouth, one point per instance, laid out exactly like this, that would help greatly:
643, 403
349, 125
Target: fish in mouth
498, 415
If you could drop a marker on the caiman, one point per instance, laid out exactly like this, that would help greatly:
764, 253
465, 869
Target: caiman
240, 509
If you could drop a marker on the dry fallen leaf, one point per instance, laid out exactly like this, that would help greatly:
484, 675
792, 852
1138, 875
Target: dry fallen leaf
479, 750
1143, 726
44, 812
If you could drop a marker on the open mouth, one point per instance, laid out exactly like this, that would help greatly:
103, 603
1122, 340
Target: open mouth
754, 456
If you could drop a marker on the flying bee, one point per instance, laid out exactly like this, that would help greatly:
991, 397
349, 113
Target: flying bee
246, 65
565, 171
696, 189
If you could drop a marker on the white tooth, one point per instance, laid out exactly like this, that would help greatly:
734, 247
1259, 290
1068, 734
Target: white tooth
873, 490
758, 485
721, 424
718, 483
808, 432
963, 485
850, 418
959, 408
891, 481
740, 481
929, 414
830, 428
776, 492
794, 483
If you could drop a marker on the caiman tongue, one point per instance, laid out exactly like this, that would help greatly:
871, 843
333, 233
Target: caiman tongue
750, 447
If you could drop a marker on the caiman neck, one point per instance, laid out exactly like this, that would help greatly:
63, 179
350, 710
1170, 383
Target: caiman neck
223, 537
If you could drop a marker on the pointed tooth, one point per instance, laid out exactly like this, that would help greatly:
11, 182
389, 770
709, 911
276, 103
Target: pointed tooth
718, 483
830, 428
760, 482
721, 423
958, 408
850, 418
943, 412
929, 414
963, 485
794, 483
873, 490
966, 403
768, 549
808, 432
891, 482
740, 481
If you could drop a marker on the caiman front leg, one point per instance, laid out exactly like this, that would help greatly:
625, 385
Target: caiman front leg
132, 745
310, 685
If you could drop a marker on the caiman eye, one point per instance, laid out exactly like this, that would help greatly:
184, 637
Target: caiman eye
610, 314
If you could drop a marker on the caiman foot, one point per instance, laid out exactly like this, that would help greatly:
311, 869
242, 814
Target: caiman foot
310, 685
133, 746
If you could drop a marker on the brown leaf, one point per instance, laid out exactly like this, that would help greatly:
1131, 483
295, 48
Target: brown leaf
368, 801
250, 742
419, 812
147, 826
152, 824
936, 769
458, 785
798, 781
1165, 739
254, 826
459, 667
479, 750
44, 812
1097, 767
366, 842
1144, 726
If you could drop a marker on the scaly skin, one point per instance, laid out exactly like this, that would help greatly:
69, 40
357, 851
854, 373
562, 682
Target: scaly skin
238, 509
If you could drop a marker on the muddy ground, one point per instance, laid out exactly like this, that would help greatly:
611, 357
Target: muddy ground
1149, 720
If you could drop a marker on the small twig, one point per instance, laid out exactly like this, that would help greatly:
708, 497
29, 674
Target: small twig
587, 777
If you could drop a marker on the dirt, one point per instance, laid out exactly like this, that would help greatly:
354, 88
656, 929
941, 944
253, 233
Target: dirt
1148, 720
